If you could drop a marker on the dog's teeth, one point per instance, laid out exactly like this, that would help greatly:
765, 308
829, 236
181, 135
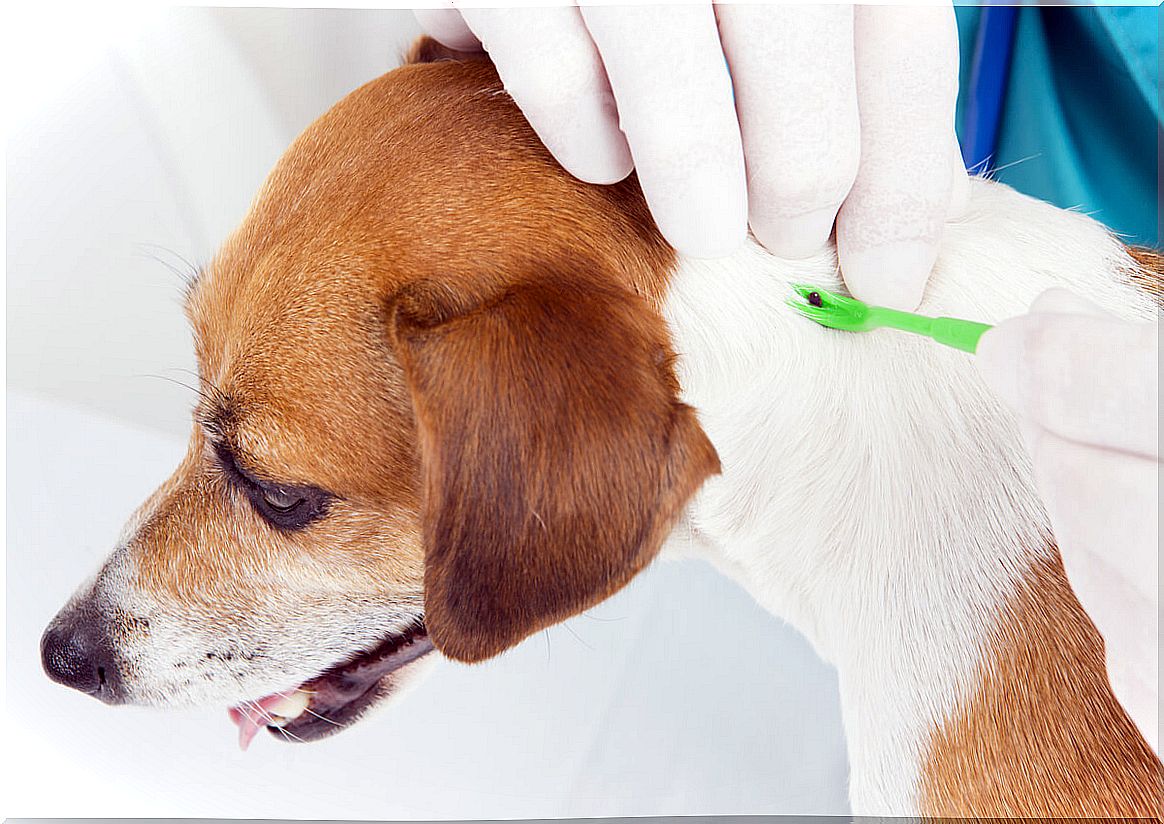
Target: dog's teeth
288, 708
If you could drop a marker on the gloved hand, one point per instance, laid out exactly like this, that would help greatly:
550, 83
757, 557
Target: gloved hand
839, 114
1086, 386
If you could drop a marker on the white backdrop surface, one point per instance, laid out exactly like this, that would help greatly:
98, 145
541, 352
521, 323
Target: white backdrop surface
678, 696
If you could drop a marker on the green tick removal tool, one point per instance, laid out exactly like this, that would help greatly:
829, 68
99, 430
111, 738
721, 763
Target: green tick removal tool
839, 312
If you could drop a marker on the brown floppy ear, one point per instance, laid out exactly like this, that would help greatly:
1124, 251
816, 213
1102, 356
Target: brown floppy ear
555, 453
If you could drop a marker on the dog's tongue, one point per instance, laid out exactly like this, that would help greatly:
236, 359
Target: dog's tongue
252, 716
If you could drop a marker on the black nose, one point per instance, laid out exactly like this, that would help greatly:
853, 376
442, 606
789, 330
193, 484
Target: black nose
75, 651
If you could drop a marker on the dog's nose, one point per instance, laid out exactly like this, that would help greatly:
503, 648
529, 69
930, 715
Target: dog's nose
76, 652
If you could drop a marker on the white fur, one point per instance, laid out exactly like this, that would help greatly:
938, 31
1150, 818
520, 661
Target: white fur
874, 493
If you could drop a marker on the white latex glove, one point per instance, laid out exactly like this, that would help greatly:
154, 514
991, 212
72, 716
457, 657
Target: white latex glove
1086, 386
839, 115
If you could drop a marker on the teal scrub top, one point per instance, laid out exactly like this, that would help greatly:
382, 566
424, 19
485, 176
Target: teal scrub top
1081, 116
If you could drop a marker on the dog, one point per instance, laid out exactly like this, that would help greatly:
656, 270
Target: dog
450, 395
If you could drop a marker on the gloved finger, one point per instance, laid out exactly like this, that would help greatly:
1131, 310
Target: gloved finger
448, 27
675, 106
551, 69
796, 99
960, 185
1065, 302
1103, 507
1114, 574
1133, 668
1135, 678
890, 224
1086, 379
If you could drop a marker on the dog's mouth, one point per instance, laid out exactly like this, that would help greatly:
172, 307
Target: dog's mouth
334, 699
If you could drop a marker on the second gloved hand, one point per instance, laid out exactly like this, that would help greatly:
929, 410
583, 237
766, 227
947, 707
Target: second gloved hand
1086, 387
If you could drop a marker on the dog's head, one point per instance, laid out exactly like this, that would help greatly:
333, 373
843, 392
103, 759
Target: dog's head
437, 408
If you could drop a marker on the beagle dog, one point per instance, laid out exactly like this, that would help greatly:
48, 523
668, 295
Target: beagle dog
450, 395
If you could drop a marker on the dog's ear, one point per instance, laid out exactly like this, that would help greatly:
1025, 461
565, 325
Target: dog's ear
426, 49
555, 453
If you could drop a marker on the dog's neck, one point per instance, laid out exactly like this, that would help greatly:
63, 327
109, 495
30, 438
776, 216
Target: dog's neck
873, 493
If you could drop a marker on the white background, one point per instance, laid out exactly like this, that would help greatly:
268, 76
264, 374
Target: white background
144, 137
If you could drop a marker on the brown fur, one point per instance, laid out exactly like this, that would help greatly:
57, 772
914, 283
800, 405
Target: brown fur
1043, 735
1150, 276
556, 454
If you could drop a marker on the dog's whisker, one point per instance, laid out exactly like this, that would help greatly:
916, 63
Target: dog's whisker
252, 709
213, 393
322, 717
261, 713
209, 384
289, 735
184, 369
1013, 163
200, 392
187, 272
186, 277
207, 389
578, 637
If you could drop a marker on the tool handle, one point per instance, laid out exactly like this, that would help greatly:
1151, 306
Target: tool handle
955, 332
958, 333
896, 319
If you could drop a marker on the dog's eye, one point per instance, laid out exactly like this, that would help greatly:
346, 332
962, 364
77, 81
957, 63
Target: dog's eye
281, 500
287, 508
